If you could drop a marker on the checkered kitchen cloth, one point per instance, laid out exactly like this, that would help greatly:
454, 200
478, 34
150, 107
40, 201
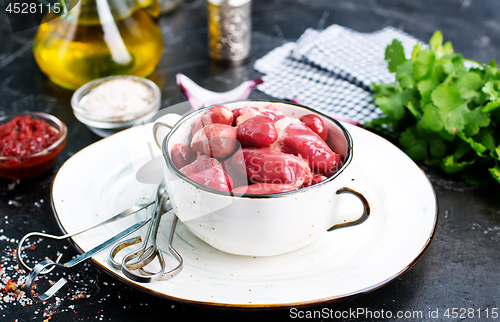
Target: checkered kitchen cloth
332, 70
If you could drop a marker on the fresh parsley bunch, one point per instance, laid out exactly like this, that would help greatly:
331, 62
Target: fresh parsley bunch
447, 115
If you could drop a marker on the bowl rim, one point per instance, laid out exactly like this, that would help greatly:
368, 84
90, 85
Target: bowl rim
61, 128
179, 174
107, 122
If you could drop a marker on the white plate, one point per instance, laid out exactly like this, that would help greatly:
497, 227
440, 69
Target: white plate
101, 180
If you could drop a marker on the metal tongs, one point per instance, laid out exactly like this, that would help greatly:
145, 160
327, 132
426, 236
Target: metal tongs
123, 214
41, 268
146, 257
146, 254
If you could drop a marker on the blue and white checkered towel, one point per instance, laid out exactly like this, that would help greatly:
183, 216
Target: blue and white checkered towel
332, 70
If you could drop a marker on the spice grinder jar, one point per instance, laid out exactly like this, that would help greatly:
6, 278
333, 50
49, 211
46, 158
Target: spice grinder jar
229, 29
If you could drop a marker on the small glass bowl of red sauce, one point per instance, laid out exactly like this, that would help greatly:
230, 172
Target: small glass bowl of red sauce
29, 144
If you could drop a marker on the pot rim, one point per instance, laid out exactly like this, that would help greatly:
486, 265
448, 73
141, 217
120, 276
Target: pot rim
179, 174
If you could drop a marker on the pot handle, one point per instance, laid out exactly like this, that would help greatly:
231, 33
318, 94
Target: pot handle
364, 215
163, 125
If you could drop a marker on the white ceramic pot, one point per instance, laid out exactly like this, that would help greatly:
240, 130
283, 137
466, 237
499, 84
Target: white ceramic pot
262, 225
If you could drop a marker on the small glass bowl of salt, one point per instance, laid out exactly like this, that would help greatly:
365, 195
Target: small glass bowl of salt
111, 104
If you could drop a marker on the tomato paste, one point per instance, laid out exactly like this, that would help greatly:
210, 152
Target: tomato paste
24, 135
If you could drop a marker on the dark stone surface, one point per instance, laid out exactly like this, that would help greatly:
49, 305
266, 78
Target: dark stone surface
459, 269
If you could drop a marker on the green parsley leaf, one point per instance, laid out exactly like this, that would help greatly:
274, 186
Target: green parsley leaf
416, 146
437, 148
395, 55
475, 120
451, 165
492, 89
382, 90
415, 110
495, 153
438, 73
491, 106
436, 43
476, 146
393, 106
448, 48
454, 65
424, 64
415, 51
487, 137
491, 71
462, 149
404, 74
452, 108
495, 172
426, 87
431, 118
468, 85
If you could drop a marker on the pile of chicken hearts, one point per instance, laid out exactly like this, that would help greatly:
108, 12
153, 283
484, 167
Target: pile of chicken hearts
256, 150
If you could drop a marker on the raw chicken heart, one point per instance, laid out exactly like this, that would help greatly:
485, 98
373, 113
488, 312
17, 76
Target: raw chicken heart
217, 140
208, 172
265, 165
257, 132
315, 123
298, 139
217, 114
182, 155
248, 112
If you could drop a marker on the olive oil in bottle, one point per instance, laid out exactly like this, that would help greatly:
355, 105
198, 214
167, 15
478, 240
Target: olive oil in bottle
98, 38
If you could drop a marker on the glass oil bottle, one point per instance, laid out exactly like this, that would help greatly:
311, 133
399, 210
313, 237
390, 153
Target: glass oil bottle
99, 38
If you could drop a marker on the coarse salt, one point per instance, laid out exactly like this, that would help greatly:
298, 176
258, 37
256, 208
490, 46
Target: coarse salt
118, 98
